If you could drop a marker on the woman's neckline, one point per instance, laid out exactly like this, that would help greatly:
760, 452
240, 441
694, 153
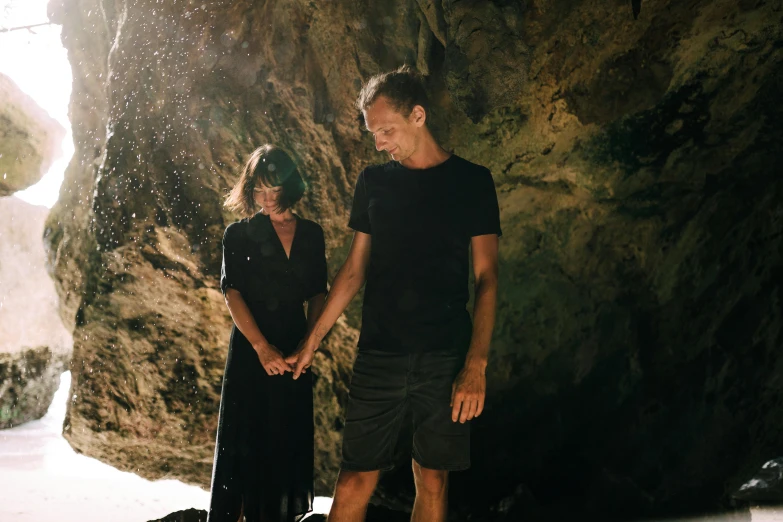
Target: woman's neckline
269, 218
279, 239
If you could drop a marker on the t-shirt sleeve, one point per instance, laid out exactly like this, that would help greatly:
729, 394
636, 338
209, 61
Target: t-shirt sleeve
484, 213
360, 217
318, 273
231, 270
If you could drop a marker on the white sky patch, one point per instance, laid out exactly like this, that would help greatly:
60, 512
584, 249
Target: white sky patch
37, 62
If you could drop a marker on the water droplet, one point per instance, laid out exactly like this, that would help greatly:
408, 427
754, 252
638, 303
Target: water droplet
228, 39
181, 86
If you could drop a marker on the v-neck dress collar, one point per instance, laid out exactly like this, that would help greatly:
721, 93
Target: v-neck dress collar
262, 230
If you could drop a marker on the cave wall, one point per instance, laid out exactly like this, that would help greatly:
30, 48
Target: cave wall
636, 162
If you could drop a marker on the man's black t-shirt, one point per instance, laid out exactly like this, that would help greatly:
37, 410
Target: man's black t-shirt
421, 223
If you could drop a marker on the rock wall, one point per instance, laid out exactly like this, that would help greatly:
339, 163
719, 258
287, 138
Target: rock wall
28, 381
635, 361
34, 344
29, 139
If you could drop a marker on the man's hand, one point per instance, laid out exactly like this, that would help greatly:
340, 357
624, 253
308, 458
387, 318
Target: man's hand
302, 358
468, 393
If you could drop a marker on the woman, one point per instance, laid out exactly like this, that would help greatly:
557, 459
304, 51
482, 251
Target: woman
273, 263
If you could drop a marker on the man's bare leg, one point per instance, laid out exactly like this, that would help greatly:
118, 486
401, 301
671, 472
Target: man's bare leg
352, 495
432, 488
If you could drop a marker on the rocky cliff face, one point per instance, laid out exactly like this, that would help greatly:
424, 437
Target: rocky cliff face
34, 344
635, 359
29, 139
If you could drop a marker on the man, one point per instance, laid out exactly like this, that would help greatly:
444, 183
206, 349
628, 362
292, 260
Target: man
415, 219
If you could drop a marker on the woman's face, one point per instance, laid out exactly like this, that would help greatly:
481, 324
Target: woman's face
267, 198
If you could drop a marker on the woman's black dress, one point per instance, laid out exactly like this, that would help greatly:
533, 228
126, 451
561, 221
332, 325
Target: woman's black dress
264, 451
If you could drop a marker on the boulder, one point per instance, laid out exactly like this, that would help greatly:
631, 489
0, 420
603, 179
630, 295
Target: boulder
30, 139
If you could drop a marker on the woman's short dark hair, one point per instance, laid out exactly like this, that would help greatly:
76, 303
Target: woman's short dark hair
271, 167
404, 88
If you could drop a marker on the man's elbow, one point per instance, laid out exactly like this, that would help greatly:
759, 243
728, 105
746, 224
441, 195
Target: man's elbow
354, 273
230, 295
487, 280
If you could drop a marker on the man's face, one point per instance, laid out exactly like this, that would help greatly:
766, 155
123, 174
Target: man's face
393, 132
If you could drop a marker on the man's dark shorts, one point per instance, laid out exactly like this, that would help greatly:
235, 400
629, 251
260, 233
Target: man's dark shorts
383, 387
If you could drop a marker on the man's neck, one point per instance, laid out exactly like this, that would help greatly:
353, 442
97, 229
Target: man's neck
428, 154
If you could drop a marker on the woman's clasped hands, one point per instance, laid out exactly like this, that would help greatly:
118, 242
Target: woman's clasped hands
271, 359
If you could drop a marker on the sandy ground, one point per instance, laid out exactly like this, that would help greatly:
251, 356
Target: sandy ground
767, 514
43, 479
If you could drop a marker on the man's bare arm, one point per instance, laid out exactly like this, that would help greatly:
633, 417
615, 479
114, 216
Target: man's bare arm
470, 386
315, 306
485, 269
347, 283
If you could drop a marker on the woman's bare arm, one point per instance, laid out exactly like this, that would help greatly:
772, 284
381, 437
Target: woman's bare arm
268, 355
242, 317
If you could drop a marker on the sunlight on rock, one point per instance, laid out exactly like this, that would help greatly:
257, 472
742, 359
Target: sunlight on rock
42, 47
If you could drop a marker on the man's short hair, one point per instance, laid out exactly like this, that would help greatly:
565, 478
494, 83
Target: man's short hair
403, 87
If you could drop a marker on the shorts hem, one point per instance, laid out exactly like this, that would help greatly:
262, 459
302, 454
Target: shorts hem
447, 467
345, 466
